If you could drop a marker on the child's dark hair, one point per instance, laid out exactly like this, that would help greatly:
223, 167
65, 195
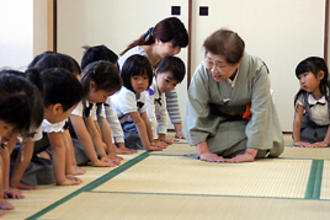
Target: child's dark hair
314, 65
61, 86
50, 59
167, 30
174, 65
104, 74
97, 53
33, 77
20, 103
133, 66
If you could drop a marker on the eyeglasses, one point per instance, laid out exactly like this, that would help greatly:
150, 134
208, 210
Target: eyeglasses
213, 63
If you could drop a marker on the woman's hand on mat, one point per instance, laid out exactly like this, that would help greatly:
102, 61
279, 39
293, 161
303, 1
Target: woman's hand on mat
319, 144
210, 157
248, 156
13, 193
303, 144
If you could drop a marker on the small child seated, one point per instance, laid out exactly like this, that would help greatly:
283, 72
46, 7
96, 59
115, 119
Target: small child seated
130, 103
170, 71
20, 105
97, 53
311, 118
99, 80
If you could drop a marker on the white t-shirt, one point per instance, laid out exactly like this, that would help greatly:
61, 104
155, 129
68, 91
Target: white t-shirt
79, 110
36, 135
112, 118
157, 111
48, 127
318, 113
125, 101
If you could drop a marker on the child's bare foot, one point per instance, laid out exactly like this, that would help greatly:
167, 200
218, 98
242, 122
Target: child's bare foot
104, 163
124, 150
70, 177
22, 186
13, 193
76, 170
5, 205
115, 157
68, 182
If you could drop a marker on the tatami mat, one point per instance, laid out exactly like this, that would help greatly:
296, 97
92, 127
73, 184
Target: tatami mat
181, 148
265, 178
325, 189
149, 206
306, 153
43, 196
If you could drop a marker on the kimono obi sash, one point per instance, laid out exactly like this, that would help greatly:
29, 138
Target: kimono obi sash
230, 113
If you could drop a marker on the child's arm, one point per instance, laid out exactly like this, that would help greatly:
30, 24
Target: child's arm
162, 125
178, 130
297, 126
95, 133
57, 142
5, 154
22, 161
325, 141
145, 118
107, 137
3, 203
71, 166
142, 130
86, 141
105, 133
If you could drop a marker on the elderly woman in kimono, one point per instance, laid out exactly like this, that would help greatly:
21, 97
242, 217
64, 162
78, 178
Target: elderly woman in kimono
230, 113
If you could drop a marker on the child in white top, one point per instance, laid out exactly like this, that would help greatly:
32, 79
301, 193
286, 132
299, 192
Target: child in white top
170, 71
56, 136
99, 80
20, 103
97, 53
130, 103
311, 119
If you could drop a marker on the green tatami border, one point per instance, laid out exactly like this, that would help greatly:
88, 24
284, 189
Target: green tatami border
314, 184
93, 184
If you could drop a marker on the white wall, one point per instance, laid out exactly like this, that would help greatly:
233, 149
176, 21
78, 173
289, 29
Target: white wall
24, 31
16, 38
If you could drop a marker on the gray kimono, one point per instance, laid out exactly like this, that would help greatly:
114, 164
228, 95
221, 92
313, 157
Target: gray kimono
214, 112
